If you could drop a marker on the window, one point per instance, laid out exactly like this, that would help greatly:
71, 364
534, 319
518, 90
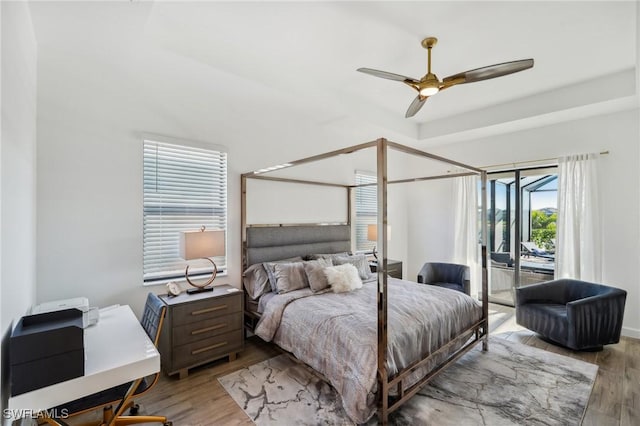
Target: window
366, 209
185, 188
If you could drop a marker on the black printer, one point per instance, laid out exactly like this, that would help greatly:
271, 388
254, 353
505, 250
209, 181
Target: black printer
45, 349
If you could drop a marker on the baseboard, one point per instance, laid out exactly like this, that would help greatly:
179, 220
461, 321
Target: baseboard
631, 332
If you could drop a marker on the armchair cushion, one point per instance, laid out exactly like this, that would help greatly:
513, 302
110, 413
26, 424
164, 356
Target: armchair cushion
576, 314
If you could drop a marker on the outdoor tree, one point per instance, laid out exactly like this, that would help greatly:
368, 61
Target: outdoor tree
543, 229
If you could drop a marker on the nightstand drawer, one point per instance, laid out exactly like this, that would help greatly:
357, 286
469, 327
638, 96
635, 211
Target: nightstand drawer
206, 309
207, 349
395, 270
201, 330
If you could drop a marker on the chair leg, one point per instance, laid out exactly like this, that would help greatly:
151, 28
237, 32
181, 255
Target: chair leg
134, 409
107, 414
130, 420
53, 422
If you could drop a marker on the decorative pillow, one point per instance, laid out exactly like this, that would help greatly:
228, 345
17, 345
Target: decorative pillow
315, 275
289, 277
326, 255
359, 261
343, 278
256, 281
268, 266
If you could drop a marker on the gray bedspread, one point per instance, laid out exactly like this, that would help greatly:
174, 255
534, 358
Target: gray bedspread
336, 334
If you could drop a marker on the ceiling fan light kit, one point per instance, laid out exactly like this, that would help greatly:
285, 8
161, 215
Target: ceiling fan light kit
430, 85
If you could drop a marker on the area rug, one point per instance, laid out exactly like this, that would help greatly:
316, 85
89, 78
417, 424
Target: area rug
510, 384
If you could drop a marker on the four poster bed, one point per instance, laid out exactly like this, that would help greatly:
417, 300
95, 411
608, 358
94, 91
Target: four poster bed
379, 344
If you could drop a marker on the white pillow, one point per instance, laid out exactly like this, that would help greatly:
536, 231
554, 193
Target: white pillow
343, 278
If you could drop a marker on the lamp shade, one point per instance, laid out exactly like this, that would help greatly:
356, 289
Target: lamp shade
203, 243
372, 232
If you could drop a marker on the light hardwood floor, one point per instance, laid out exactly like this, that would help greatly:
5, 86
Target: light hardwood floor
200, 400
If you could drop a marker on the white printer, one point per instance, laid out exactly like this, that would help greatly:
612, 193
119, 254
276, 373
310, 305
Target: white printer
90, 315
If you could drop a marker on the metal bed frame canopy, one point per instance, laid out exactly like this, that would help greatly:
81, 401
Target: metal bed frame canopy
382, 147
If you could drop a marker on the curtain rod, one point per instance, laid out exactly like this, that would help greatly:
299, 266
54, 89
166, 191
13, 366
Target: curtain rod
514, 164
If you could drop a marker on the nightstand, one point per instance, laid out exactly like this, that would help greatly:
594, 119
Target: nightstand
200, 328
394, 268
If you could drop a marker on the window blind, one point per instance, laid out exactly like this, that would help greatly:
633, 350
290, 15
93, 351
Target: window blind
366, 207
185, 188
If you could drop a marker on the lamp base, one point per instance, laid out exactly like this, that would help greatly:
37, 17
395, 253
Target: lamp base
199, 289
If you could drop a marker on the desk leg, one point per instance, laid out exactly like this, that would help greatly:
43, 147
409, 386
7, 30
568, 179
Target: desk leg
182, 374
232, 356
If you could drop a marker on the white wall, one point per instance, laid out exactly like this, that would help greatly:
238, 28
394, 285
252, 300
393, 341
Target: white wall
619, 173
18, 172
91, 116
277, 202
430, 220
283, 202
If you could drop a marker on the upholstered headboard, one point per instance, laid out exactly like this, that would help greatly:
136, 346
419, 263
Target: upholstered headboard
266, 243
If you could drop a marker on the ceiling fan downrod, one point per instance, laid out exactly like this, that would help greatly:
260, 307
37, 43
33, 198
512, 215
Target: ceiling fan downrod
428, 43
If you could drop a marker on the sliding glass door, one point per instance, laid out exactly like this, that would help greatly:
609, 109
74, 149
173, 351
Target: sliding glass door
521, 224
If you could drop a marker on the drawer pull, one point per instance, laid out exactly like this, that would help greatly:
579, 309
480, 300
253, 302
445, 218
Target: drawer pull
208, 348
204, 311
204, 330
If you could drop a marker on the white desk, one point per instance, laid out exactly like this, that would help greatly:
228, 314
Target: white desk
117, 350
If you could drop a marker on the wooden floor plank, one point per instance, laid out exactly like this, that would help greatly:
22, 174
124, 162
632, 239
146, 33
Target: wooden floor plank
630, 416
631, 389
632, 355
595, 418
606, 397
612, 357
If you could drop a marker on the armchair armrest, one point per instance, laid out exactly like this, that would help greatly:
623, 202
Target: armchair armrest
424, 275
549, 292
467, 287
597, 320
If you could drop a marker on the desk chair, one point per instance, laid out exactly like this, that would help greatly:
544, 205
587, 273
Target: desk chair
152, 319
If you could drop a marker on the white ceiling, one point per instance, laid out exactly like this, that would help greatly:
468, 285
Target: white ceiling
299, 58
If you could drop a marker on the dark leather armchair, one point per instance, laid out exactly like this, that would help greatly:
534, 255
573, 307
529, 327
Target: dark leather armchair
575, 314
449, 275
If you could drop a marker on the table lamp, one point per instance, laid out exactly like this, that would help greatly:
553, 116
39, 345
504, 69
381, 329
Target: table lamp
202, 244
372, 235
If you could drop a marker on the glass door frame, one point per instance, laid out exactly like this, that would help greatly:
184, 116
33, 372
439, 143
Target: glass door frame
516, 235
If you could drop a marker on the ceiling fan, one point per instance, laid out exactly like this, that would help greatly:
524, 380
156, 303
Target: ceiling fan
429, 85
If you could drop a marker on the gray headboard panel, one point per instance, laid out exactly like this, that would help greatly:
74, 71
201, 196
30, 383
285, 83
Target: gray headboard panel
266, 243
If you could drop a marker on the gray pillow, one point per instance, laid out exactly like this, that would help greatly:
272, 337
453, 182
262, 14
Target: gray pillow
256, 281
327, 256
314, 269
359, 261
289, 277
268, 267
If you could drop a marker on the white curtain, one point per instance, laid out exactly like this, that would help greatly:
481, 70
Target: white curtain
466, 242
578, 238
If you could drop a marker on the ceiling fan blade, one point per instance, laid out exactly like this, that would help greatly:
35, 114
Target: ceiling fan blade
387, 75
485, 73
415, 106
